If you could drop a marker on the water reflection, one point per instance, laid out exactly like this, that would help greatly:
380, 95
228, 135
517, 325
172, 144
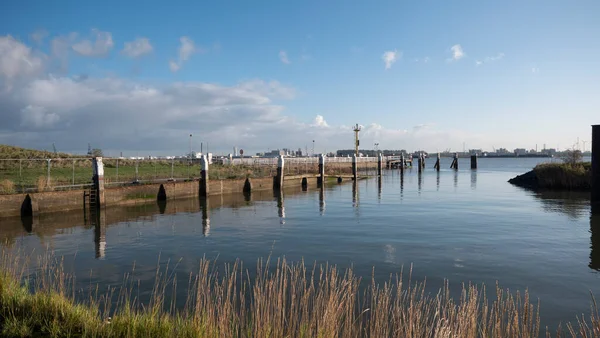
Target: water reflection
437, 181
455, 178
595, 237
322, 200
420, 181
27, 222
162, 206
205, 209
99, 220
473, 179
401, 185
278, 194
355, 193
379, 189
574, 204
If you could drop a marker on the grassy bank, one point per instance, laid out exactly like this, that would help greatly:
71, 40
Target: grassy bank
557, 176
288, 300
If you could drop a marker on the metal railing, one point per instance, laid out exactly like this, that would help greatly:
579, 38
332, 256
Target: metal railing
35, 175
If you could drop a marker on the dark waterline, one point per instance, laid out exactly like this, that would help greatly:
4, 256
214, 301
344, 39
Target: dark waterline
461, 226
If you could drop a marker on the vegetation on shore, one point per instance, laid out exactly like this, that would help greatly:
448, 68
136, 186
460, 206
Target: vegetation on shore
557, 176
286, 300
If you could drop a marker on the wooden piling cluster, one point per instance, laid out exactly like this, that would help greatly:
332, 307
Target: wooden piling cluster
436, 166
454, 164
474, 161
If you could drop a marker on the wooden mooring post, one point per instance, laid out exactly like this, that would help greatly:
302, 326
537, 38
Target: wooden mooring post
203, 190
436, 166
420, 162
321, 177
596, 164
454, 164
278, 179
354, 163
474, 161
402, 163
98, 182
379, 160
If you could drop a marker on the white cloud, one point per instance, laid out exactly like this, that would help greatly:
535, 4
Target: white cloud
390, 57
320, 121
457, 52
123, 115
16, 59
489, 59
137, 48
186, 49
100, 47
283, 57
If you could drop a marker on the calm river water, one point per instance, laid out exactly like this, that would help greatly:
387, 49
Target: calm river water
461, 226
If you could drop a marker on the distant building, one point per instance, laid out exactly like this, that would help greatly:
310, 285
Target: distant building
520, 151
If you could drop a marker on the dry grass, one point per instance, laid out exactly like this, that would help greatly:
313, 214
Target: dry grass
7, 187
286, 300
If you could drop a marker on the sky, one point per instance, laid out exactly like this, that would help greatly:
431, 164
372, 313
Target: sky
139, 77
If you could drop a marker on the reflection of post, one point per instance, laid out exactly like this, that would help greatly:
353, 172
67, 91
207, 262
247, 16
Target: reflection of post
379, 188
473, 179
455, 178
401, 184
437, 181
355, 193
420, 180
205, 208
100, 233
322, 201
162, 206
280, 206
595, 237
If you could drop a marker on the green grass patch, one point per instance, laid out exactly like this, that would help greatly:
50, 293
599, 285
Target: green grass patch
564, 176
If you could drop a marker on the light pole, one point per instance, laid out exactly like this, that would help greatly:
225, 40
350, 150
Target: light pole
376, 149
313, 150
190, 162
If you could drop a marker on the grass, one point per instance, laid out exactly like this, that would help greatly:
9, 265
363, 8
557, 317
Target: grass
577, 176
285, 300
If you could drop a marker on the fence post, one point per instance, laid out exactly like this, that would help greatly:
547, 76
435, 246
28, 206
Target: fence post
354, 163
48, 179
137, 164
172, 164
20, 174
98, 179
73, 183
321, 177
278, 182
117, 170
204, 177
596, 163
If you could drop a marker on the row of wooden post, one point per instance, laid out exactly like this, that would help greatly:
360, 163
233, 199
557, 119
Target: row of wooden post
98, 171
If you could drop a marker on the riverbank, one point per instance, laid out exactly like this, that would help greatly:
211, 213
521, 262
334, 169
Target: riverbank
286, 300
556, 176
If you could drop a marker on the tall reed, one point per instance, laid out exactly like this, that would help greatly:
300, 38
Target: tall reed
281, 299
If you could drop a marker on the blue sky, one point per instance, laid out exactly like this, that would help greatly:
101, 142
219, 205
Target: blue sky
275, 74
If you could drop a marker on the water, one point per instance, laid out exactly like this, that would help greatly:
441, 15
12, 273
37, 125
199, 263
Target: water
461, 226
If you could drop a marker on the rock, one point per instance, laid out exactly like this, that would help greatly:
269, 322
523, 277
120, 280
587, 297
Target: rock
527, 180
